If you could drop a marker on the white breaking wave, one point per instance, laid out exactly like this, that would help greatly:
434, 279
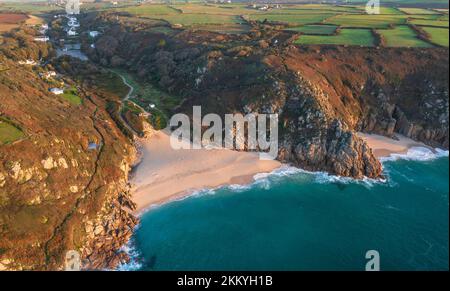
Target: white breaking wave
314, 177
134, 264
418, 154
266, 180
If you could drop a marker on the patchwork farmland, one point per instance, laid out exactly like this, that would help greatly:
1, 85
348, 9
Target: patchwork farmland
315, 23
9, 21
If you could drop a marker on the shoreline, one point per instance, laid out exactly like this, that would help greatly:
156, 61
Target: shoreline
162, 174
383, 146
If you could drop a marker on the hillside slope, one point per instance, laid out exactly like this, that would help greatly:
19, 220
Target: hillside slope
57, 193
323, 95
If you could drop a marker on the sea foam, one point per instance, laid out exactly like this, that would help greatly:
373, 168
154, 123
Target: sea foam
266, 180
134, 264
418, 154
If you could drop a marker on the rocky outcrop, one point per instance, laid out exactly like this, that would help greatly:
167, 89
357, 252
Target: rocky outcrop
383, 91
108, 233
323, 94
335, 150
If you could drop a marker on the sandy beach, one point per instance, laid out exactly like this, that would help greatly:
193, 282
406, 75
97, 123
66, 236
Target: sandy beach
165, 174
383, 146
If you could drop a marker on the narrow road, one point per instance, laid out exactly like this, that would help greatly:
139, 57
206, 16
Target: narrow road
128, 85
130, 93
137, 105
122, 104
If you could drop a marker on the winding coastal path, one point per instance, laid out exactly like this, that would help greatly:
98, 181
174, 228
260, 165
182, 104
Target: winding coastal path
125, 99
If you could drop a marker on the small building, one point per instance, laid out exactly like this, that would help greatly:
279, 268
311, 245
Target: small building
71, 32
57, 91
28, 63
93, 34
92, 146
42, 39
48, 75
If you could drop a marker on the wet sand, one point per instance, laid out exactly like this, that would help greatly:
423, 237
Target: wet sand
383, 146
166, 174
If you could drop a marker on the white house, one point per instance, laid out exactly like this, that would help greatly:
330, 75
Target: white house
48, 75
57, 91
71, 32
93, 34
42, 38
43, 29
28, 63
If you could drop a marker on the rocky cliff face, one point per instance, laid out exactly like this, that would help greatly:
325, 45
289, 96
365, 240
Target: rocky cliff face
384, 91
63, 185
322, 94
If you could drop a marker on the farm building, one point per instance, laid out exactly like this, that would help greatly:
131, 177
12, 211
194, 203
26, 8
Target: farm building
93, 34
57, 91
42, 39
28, 63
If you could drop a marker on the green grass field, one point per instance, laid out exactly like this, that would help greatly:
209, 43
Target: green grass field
8, 132
145, 94
71, 95
402, 36
315, 21
367, 21
326, 7
315, 29
418, 11
212, 9
353, 37
440, 23
438, 36
28, 8
293, 19
390, 10
130, 106
445, 11
150, 10
383, 10
200, 19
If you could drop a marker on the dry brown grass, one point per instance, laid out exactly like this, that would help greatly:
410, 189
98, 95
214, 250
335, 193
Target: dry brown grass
7, 27
9, 21
34, 20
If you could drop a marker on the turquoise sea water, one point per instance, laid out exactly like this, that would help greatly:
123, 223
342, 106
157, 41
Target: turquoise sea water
293, 220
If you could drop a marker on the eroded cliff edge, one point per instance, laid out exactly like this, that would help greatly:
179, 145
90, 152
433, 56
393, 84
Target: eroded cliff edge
323, 95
